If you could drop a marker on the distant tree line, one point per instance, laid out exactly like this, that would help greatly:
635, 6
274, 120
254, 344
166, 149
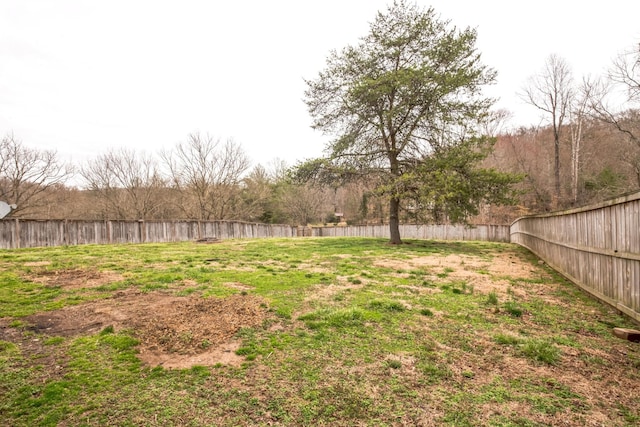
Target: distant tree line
202, 178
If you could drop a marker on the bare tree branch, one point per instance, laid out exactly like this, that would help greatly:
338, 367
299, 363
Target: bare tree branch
26, 174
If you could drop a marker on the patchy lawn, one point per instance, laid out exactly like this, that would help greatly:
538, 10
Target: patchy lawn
328, 331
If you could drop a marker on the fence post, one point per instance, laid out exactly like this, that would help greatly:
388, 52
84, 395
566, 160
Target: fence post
142, 230
109, 232
65, 230
16, 237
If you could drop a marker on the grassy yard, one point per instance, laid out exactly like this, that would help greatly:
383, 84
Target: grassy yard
327, 331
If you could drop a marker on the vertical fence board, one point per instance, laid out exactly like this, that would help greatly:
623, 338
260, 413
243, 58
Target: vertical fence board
597, 247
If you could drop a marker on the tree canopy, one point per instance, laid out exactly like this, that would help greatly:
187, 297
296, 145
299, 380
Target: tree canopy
406, 107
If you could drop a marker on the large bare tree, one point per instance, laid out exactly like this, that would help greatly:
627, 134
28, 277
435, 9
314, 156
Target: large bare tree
626, 72
303, 204
551, 91
578, 115
27, 174
621, 111
127, 183
206, 173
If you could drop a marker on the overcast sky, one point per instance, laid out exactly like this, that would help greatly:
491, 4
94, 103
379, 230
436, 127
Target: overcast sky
81, 76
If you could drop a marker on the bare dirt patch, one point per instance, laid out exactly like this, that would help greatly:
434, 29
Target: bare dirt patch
75, 278
174, 332
239, 286
482, 274
37, 263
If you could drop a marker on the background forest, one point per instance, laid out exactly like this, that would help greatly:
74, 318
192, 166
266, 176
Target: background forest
586, 148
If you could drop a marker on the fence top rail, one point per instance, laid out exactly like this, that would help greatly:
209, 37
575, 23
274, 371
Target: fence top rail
630, 197
149, 221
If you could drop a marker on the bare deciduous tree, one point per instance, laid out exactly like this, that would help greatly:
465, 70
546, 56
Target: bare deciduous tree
303, 204
495, 122
551, 91
127, 183
577, 117
624, 74
207, 174
257, 195
26, 174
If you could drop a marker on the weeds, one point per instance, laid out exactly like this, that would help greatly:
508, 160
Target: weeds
513, 309
541, 351
507, 339
492, 298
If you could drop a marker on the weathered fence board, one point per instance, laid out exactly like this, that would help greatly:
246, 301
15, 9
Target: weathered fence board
35, 233
494, 233
597, 247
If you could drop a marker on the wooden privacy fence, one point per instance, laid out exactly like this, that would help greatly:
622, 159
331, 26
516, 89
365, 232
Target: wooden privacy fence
596, 247
34, 233
492, 233
16, 233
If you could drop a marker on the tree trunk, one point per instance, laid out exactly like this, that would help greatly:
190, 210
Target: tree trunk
394, 221
556, 170
576, 139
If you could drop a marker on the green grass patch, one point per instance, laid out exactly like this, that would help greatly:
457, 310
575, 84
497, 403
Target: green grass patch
358, 332
514, 309
541, 351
